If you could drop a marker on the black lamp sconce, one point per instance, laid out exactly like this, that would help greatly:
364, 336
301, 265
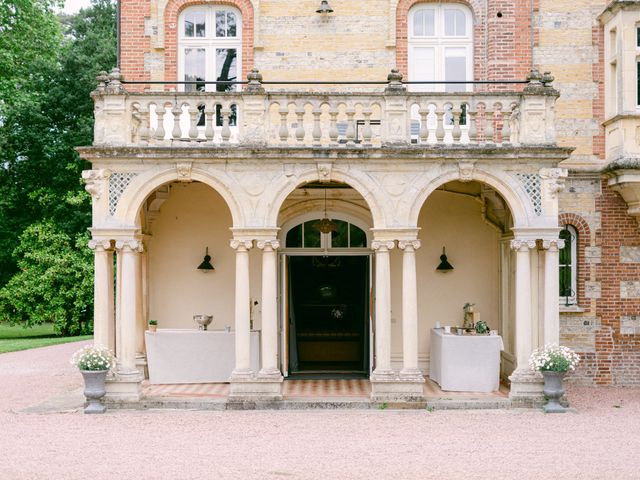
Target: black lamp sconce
324, 7
206, 266
444, 266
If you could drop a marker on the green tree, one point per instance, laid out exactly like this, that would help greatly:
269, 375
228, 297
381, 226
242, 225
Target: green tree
54, 284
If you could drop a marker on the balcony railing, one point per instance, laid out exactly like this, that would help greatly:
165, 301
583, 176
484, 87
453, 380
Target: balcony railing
393, 117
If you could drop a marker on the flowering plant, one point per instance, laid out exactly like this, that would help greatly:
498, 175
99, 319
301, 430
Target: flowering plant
554, 358
94, 359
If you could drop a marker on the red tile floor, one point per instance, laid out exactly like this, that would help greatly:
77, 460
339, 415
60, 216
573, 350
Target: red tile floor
321, 389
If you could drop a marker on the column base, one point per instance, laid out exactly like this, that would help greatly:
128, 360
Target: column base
401, 389
255, 388
526, 388
124, 387
141, 365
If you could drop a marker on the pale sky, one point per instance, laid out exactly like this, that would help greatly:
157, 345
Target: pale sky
72, 6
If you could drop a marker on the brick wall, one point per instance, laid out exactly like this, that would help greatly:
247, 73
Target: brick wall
134, 43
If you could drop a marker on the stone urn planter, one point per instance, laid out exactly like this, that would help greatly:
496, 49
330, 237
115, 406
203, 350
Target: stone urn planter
94, 363
553, 391
94, 390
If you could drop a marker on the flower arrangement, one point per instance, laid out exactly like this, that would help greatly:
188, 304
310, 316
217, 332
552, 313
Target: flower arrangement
482, 327
554, 358
93, 359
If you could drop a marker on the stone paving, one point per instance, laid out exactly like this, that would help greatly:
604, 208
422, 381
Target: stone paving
600, 440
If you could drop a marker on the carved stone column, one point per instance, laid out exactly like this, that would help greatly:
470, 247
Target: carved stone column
410, 370
269, 333
242, 311
128, 377
383, 369
551, 290
526, 385
103, 301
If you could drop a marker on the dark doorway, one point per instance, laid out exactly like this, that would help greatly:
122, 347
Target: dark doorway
328, 315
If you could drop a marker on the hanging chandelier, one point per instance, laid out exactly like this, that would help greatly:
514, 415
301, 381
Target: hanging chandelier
325, 225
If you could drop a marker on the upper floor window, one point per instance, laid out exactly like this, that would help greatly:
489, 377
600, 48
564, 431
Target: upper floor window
440, 46
568, 266
209, 47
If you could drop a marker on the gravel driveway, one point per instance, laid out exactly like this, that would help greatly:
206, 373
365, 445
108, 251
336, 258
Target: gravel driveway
601, 441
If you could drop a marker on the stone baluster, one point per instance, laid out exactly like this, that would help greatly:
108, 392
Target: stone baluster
456, 132
351, 126
210, 119
300, 133
367, 132
160, 133
144, 131
488, 125
333, 126
194, 115
176, 133
472, 122
317, 129
424, 127
226, 130
506, 126
440, 125
284, 129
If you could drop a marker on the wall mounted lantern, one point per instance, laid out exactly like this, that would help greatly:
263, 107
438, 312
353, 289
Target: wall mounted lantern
444, 266
206, 266
324, 7
325, 225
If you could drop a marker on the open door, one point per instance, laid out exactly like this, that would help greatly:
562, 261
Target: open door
372, 323
284, 316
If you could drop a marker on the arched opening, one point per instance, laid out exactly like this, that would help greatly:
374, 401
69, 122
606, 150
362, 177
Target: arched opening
473, 222
326, 281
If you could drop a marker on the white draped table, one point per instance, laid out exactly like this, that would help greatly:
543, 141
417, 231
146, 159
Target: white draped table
194, 356
465, 363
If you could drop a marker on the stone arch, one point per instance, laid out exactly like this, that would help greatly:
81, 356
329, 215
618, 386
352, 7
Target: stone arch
346, 209
145, 184
400, 13
516, 198
584, 235
363, 189
172, 12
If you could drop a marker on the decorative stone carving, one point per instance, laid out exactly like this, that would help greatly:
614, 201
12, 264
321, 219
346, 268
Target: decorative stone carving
411, 244
554, 180
241, 244
131, 245
466, 171
553, 243
99, 245
531, 184
383, 246
184, 171
118, 182
520, 244
115, 82
268, 244
324, 171
95, 182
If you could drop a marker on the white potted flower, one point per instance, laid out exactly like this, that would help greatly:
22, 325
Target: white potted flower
554, 361
94, 364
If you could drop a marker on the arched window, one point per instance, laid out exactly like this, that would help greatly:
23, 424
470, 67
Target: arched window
440, 46
569, 266
209, 47
346, 235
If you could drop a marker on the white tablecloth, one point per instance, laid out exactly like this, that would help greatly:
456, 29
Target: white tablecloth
194, 356
465, 363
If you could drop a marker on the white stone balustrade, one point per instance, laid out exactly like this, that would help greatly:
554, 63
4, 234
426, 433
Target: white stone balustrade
322, 120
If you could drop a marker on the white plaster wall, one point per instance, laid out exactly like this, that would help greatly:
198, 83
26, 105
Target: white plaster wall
194, 217
453, 221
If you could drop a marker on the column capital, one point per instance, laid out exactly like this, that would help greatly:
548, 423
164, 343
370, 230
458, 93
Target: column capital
383, 246
133, 245
553, 244
241, 245
99, 245
409, 244
522, 245
268, 245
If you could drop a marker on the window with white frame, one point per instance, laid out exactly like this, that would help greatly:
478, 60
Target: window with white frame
440, 46
209, 47
568, 266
